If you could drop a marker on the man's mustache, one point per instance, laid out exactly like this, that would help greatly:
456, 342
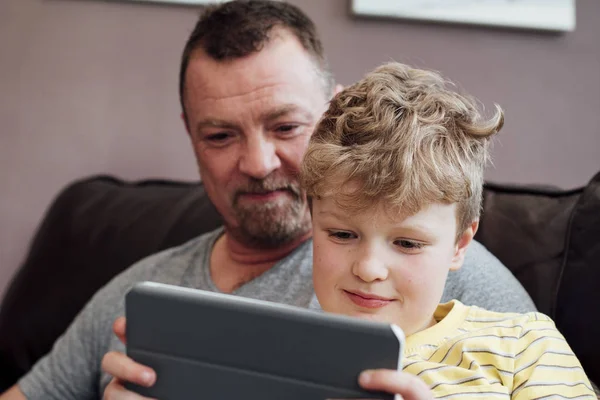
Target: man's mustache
263, 186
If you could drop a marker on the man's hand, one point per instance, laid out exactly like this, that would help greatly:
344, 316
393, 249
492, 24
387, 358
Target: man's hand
124, 369
407, 386
14, 393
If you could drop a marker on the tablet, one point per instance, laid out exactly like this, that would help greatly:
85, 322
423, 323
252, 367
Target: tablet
213, 346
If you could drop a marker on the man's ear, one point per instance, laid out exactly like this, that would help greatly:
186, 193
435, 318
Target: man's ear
187, 128
338, 88
462, 244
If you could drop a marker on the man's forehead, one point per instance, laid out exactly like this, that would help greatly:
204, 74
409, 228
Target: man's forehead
282, 62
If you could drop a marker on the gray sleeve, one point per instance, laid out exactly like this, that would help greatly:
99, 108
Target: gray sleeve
485, 282
71, 369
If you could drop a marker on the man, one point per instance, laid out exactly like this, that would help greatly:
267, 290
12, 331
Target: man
254, 82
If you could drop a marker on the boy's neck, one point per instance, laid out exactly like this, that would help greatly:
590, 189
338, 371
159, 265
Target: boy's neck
427, 325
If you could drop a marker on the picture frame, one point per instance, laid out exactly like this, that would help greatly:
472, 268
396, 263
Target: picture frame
543, 15
181, 2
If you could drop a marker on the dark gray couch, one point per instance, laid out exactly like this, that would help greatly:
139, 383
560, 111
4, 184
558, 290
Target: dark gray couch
550, 240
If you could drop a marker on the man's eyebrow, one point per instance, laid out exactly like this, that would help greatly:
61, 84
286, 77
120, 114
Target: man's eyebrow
284, 110
269, 116
215, 123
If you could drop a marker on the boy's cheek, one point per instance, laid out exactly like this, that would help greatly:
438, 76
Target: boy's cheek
327, 273
323, 289
329, 267
325, 270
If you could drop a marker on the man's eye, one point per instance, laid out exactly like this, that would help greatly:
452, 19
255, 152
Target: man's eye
218, 137
342, 235
409, 244
287, 128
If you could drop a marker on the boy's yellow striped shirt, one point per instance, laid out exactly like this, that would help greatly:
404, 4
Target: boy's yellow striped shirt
474, 353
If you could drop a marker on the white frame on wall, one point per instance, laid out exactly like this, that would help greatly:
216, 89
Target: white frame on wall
548, 15
188, 2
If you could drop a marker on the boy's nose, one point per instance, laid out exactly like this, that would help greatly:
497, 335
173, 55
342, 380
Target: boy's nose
259, 158
370, 269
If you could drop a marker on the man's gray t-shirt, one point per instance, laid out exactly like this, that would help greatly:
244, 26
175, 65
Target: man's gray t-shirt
72, 370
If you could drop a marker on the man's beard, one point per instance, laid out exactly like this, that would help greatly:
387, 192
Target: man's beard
273, 223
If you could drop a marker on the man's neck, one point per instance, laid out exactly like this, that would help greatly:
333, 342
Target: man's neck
233, 263
248, 254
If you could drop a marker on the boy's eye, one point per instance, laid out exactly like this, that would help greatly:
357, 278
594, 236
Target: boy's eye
409, 244
342, 235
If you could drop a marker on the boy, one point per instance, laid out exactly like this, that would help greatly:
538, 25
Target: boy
394, 174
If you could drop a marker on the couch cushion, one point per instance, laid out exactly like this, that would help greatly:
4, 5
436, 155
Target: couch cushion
525, 227
578, 295
95, 229
550, 240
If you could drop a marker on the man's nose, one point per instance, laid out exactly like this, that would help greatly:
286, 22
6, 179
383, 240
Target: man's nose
370, 268
259, 158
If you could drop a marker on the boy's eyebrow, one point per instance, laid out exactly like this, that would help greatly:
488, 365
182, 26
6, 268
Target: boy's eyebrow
409, 228
416, 229
333, 214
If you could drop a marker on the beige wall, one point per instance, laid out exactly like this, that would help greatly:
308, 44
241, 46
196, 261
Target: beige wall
90, 87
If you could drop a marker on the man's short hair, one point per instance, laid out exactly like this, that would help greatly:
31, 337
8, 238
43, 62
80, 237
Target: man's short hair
239, 28
404, 139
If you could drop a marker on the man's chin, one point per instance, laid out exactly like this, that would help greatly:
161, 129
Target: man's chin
274, 197
263, 242
271, 232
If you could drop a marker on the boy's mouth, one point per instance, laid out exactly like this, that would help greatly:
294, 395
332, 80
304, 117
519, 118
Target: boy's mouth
367, 300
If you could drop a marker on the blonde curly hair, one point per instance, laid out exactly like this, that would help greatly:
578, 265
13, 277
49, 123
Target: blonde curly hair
404, 139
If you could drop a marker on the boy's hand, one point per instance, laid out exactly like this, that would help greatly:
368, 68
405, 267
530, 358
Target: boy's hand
407, 386
124, 369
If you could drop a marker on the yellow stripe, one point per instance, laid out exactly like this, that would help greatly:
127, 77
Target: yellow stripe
494, 355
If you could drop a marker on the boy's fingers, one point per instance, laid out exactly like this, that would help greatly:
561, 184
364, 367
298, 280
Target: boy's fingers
119, 328
126, 370
406, 385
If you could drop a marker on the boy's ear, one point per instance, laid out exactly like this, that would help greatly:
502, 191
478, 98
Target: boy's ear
462, 244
